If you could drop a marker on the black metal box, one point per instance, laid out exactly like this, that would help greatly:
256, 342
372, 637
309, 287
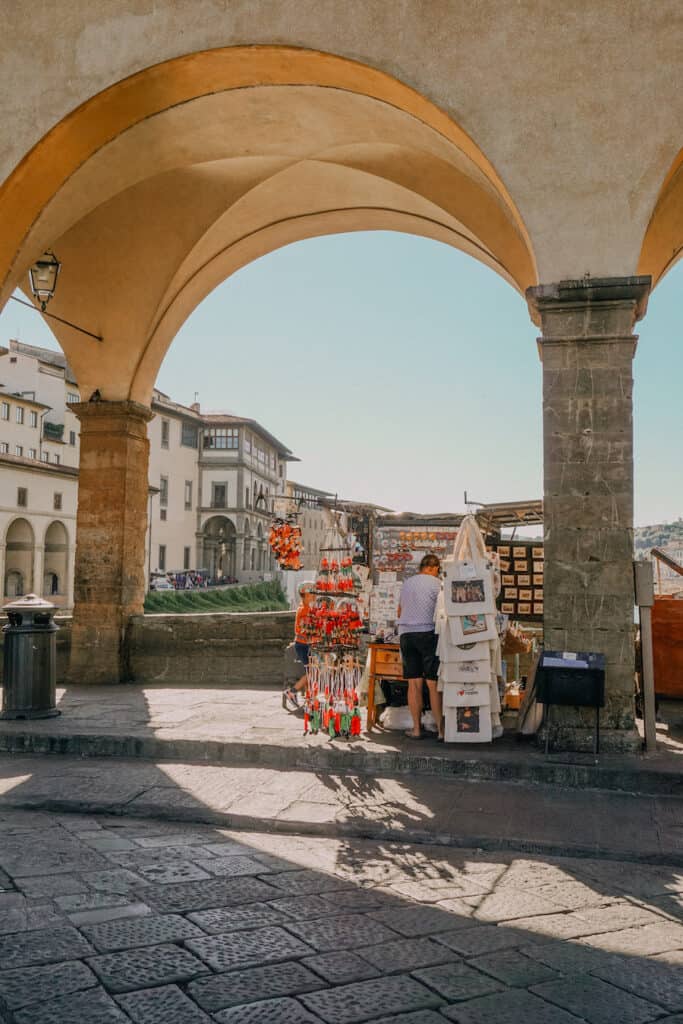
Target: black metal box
575, 678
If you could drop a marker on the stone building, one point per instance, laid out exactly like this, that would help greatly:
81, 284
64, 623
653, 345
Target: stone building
39, 454
217, 476
212, 481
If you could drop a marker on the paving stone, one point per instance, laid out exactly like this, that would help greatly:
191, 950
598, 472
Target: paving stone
77, 823
136, 859
406, 954
268, 1011
232, 919
457, 981
103, 842
50, 852
341, 967
28, 917
42, 947
514, 1006
27, 985
303, 882
416, 921
596, 1001
514, 968
146, 967
647, 940
270, 861
566, 957
363, 1000
174, 839
246, 986
307, 907
486, 938
508, 904
248, 948
230, 867
51, 885
91, 1007
165, 1005
590, 921
572, 894
418, 1017
140, 931
76, 902
105, 914
655, 981
359, 899
117, 880
232, 849
179, 871
215, 892
345, 931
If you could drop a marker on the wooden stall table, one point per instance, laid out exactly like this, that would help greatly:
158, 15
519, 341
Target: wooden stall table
385, 663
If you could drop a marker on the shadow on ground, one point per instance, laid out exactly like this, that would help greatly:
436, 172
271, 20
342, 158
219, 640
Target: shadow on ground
111, 919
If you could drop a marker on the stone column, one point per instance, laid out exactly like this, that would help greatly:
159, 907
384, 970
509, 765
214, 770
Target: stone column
2, 574
37, 570
109, 583
587, 348
239, 555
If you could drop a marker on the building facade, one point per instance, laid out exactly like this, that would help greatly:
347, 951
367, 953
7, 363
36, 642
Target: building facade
39, 453
213, 479
217, 476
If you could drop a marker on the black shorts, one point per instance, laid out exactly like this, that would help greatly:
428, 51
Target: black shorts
418, 651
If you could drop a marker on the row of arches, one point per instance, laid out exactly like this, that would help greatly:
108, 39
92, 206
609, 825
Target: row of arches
25, 572
225, 552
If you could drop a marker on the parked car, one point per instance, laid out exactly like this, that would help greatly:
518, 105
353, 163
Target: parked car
161, 584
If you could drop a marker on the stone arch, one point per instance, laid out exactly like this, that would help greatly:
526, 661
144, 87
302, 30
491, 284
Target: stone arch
219, 546
333, 145
56, 560
663, 242
19, 553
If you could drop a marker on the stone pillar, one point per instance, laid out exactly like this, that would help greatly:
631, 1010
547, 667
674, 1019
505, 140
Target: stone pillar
109, 583
37, 570
587, 348
2, 573
239, 555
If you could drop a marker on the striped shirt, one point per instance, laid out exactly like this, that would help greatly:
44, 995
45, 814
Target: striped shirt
418, 603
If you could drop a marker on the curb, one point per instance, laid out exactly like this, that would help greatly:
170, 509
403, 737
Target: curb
350, 760
336, 830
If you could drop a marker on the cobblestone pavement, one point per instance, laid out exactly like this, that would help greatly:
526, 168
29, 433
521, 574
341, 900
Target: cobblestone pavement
113, 919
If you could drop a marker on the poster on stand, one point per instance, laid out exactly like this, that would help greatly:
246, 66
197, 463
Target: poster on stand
466, 672
449, 653
473, 627
466, 695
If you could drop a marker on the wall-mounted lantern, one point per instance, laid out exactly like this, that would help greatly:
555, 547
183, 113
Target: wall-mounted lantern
43, 275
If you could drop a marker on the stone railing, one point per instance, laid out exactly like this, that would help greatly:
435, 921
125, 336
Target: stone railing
214, 649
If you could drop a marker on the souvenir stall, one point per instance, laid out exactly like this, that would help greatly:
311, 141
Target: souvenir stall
332, 626
469, 647
285, 542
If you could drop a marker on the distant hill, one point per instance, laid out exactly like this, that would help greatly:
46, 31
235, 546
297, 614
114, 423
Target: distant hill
658, 536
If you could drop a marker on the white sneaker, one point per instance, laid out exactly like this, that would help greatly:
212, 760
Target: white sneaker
497, 732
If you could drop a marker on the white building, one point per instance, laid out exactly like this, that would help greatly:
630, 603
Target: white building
39, 452
213, 479
218, 476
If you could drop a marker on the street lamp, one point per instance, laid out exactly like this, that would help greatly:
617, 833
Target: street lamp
43, 276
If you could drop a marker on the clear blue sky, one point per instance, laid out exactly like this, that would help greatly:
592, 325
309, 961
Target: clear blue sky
403, 372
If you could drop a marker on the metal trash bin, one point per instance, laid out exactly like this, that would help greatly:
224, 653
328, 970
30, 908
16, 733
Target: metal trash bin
30, 659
